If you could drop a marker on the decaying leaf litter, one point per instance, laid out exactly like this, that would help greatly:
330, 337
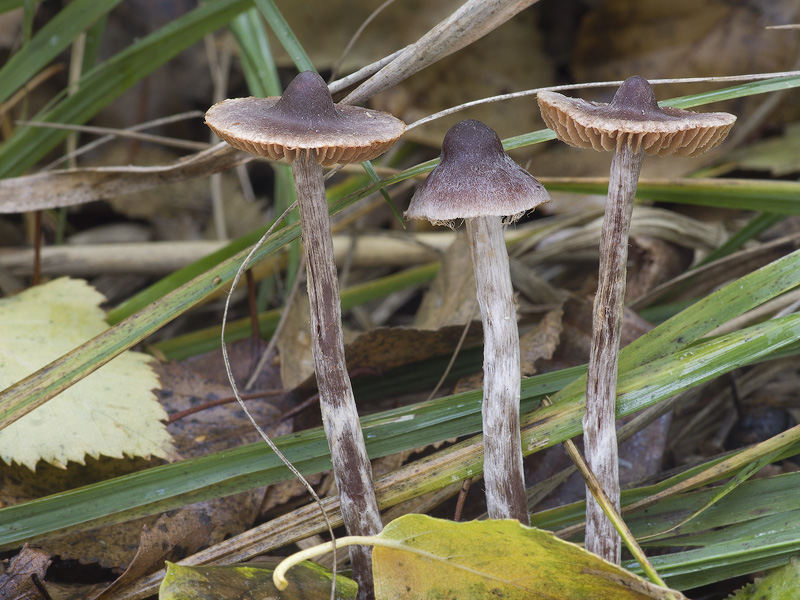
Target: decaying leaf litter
667, 246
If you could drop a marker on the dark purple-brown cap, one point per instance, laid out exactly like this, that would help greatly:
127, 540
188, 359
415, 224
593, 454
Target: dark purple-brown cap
475, 178
304, 119
633, 118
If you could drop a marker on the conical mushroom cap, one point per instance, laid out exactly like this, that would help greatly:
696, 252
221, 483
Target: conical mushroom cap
475, 178
304, 119
633, 118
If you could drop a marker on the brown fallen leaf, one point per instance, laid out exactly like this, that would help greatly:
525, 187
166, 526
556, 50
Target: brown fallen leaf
540, 342
653, 261
18, 580
386, 348
172, 537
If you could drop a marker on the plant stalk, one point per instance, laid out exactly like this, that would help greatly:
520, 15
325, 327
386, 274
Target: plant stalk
351, 465
599, 430
502, 470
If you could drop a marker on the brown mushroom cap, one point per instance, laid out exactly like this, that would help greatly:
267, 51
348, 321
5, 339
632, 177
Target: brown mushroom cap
475, 178
633, 118
304, 118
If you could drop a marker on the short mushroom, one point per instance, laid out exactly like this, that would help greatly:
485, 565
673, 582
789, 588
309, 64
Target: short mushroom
477, 181
631, 124
306, 128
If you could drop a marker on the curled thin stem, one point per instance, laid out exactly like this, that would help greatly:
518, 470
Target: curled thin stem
232, 380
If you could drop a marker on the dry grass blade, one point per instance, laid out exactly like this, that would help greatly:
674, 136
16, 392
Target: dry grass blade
470, 22
91, 260
77, 186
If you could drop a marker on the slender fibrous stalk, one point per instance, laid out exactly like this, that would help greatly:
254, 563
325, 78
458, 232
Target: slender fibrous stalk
502, 471
351, 465
600, 436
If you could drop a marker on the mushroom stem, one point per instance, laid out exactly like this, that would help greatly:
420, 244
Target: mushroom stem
351, 465
600, 434
502, 448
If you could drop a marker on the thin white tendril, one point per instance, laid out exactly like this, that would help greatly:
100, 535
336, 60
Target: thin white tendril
596, 84
228, 370
457, 349
279, 329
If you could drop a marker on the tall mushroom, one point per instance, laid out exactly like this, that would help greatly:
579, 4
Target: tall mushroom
477, 181
633, 123
306, 128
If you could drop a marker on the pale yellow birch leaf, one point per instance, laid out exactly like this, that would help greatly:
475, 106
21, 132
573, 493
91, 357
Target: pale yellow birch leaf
112, 412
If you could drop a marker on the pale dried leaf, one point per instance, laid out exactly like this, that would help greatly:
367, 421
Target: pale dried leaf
294, 344
112, 412
451, 298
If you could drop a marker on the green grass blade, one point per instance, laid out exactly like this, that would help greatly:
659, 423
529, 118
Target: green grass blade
180, 277
6, 5
738, 91
757, 225
170, 486
250, 466
719, 493
779, 197
285, 35
259, 67
203, 340
730, 534
52, 39
693, 568
702, 317
105, 83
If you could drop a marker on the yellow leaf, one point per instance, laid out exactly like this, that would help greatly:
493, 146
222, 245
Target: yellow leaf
433, 558
112, 412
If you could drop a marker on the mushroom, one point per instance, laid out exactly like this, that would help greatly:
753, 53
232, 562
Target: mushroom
477, 181
631, 124
306, 128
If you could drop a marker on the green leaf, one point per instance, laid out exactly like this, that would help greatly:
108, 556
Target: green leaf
484, 559
307, 581
777, 584
417, 556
